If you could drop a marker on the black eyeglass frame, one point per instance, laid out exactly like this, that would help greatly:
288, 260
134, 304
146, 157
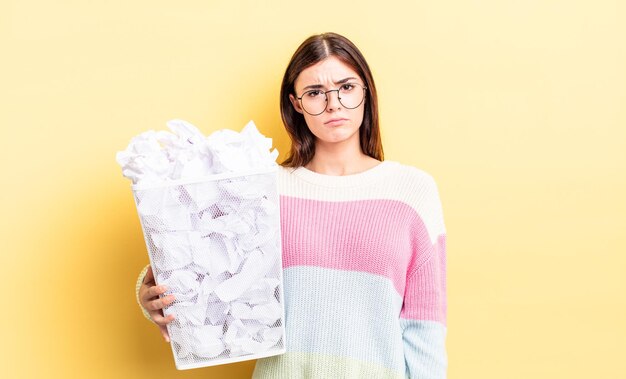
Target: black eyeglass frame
326, 98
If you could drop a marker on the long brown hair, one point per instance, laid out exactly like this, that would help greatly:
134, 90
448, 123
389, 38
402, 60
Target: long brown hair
315, 49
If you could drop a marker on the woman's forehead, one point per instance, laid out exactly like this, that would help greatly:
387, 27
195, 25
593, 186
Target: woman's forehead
327, 72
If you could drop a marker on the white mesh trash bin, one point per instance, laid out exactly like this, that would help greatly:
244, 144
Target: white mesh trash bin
216, 244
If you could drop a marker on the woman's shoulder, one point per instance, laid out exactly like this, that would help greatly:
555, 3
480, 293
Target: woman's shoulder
420, 190
412, 174
416, 186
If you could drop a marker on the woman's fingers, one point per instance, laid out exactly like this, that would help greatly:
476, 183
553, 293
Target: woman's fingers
161, 320
154, 291
164, 333
149, 277
160, 303
149, 295
148, 292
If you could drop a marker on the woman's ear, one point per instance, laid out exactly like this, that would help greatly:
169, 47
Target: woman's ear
295, 103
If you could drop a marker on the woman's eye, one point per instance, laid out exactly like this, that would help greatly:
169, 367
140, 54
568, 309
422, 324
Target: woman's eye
314, 93
347, 87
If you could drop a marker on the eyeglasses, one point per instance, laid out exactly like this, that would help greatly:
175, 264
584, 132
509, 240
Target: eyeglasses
350, 95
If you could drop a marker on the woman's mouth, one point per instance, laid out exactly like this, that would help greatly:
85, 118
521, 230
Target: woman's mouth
335, 121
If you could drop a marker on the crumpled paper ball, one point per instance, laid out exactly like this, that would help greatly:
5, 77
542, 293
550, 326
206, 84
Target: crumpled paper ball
154, 158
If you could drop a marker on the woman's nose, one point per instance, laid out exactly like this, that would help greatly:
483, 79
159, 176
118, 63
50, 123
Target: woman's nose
333, 100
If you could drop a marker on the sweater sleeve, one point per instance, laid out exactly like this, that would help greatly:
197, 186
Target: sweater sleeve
424, 310
142, 274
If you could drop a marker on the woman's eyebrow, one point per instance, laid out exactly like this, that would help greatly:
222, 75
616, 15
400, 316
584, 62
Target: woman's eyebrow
314, 86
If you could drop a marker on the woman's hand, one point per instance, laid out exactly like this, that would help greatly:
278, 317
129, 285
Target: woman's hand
149, 297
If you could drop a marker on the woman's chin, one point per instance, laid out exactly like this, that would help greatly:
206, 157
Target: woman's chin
335, 139
337, 134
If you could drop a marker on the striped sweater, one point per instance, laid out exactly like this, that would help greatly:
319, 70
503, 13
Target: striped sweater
364, 263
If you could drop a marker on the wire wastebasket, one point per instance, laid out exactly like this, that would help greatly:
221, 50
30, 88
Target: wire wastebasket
216, 244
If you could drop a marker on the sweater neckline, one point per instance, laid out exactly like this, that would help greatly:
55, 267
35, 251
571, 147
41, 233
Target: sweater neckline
360, 178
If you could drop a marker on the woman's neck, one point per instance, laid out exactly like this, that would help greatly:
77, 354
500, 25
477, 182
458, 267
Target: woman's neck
335, 160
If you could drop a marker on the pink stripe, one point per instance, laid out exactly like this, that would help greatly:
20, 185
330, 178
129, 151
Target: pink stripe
330, 234
425, 297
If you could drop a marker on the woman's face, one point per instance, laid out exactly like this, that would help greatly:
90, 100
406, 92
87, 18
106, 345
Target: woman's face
330, 74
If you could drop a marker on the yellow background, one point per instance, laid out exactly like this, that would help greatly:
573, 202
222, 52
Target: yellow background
517, 108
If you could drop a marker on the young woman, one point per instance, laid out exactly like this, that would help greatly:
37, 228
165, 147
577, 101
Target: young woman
363, 239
